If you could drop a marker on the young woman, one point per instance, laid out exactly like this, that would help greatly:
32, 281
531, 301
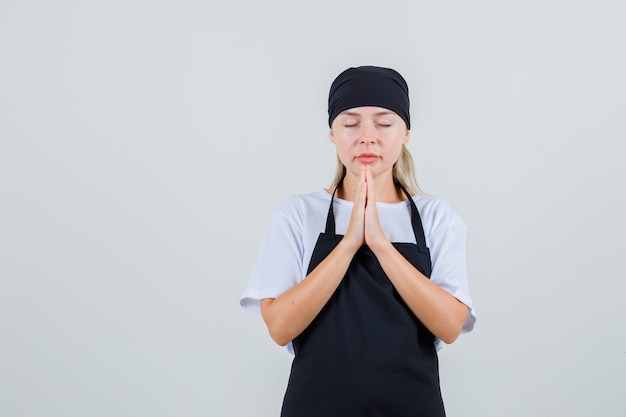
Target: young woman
365, 280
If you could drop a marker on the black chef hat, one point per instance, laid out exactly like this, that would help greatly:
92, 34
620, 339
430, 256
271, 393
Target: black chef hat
369, 86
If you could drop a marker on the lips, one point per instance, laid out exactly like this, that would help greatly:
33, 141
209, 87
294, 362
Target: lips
368, 158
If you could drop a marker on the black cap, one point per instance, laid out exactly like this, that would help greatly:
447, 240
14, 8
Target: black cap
369, 86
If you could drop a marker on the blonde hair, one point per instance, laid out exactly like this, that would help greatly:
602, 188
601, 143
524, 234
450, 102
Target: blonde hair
403, 172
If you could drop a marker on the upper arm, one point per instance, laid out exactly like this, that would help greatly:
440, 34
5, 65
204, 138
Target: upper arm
278, 265
265, 306
446, 239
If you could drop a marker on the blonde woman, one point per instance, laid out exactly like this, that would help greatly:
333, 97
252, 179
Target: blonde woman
364, 281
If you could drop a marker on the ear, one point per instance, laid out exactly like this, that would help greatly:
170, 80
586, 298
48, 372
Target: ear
331, 135
407, 137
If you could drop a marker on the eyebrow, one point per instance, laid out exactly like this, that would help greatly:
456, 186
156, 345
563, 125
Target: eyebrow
380, 113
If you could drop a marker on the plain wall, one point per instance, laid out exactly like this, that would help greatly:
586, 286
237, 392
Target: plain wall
144, 144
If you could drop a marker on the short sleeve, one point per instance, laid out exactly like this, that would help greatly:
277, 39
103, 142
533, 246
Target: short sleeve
446, 241
278, 266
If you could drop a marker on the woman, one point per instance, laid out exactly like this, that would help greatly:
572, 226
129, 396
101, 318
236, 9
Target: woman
364, 280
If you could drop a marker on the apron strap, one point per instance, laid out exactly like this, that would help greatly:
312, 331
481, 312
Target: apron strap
416, 220
330, 218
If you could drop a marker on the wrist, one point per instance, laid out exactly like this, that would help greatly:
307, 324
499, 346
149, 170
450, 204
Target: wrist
348, 247
380, 246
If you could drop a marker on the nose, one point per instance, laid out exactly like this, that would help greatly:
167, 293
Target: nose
368, 133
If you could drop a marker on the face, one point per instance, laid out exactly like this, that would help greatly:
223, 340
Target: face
369, 136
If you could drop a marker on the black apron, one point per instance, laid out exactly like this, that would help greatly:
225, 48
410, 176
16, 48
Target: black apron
365, 354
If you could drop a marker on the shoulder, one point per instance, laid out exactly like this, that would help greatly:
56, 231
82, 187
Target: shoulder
299, 205
298, 209
437, 213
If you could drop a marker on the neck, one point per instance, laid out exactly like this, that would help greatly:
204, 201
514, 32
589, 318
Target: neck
386, 189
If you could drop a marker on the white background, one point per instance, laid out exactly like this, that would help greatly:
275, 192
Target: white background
144, 144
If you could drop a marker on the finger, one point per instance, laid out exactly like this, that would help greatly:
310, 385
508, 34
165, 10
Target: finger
369, 178
363, 176
362, 197
370, 207
373, 229
356, 228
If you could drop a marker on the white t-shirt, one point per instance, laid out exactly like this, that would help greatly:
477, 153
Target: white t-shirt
295, 225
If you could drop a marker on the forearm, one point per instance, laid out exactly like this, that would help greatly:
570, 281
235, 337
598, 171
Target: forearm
437, 309
290, 313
